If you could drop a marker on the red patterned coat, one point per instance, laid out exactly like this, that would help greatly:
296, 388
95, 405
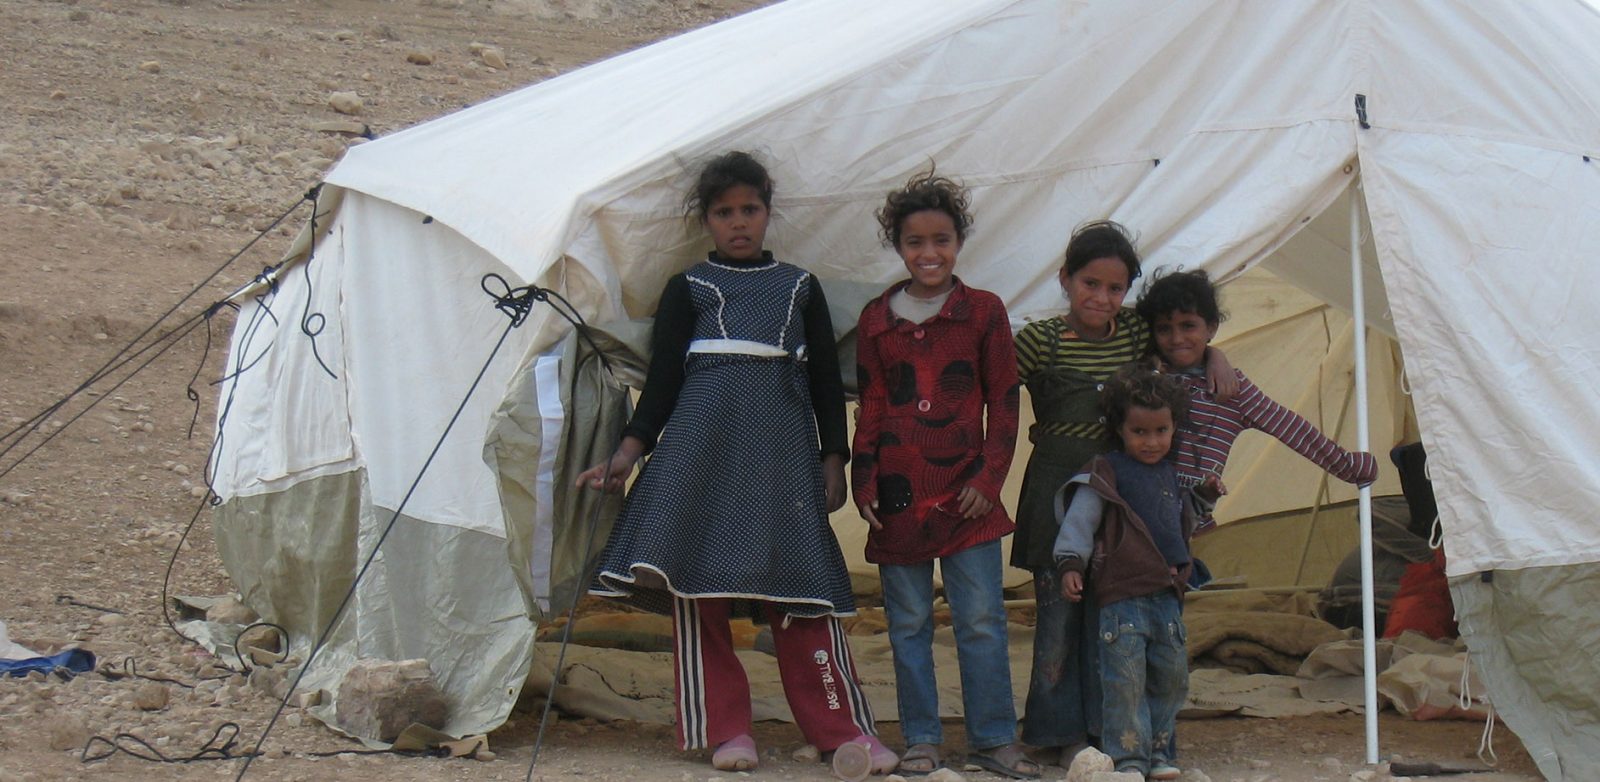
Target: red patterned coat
926, 389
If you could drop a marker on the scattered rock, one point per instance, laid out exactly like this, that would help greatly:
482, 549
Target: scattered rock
150, 66
78, 15
806, 754
151, 696
1330, 764
111, 620
346, 102
58, 95
230, 611
379, 698
483, 755
1260, 764
1193, 775
341, 126
948, 775
493, 57
1088, 762
344, 35
1364, 775
476, 48
420, 58
66, 733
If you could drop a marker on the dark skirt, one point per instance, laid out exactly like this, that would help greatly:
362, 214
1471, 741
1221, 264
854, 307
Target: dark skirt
1055, 459
731, 502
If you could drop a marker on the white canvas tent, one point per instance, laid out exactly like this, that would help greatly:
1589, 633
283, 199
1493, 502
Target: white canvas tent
1221, 130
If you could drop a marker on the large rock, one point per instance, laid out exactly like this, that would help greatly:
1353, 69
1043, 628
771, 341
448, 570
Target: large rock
230, 611
1088, 762
379, 698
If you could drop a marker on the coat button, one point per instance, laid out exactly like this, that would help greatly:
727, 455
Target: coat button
1099, 386
924, 406
919, 333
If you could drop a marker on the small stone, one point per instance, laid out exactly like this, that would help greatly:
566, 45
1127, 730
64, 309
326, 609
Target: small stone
493, 57
294, 720
58, 95
78, 15
180, 468
950, 775
346, 102
1260, 764
476, 48
1330, 764
806, 754
1088, 762
1193, 775
150, 66
198, 492
66, 733
111, 620
483, 755
151, 696
1364, 775
420, 58
344, 35
341, 126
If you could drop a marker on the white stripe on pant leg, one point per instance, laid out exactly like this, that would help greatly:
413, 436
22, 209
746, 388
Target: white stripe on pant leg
860, 709
691, 674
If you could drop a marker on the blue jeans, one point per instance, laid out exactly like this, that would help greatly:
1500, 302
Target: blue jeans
972, 584
1145, 672
1063, 707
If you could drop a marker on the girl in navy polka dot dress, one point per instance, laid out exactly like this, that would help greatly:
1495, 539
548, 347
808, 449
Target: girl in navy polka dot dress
742, 414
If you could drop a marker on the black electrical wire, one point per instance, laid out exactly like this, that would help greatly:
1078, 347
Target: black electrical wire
119, 359
515, 303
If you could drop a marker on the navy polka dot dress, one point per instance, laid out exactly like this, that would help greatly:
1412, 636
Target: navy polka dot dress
731, 501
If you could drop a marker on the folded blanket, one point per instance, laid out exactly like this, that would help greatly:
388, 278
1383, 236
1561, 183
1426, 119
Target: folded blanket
1255, 642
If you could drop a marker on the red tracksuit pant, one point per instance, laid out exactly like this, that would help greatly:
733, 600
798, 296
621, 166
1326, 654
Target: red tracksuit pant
819, 677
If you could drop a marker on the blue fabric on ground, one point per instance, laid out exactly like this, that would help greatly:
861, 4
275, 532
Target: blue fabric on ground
75, 661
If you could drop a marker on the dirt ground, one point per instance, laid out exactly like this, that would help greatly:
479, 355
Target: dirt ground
142, 145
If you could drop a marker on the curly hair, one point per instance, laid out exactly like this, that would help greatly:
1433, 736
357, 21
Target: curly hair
1138, 384
925, 192
1101, 239
1180, 291
723, 172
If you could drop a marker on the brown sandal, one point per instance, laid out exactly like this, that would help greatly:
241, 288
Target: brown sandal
918, 755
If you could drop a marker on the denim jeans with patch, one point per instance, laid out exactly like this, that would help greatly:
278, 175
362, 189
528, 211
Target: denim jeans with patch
972, 584
1063, 708
1145, 674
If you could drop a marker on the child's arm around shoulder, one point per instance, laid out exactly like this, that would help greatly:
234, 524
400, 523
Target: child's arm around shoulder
1259, 411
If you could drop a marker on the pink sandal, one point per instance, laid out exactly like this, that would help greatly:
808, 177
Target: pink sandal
735, 754
862, 756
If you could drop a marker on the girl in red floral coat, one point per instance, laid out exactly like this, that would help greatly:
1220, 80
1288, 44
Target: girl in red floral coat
937, 365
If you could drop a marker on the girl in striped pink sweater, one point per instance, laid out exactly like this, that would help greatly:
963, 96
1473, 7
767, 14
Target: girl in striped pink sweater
1181, 310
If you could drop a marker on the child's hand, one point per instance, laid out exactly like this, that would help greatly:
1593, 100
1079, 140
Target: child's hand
1220, 377
869, 512
1072, 586
971, 503
833, 481
612, 474
1211, 489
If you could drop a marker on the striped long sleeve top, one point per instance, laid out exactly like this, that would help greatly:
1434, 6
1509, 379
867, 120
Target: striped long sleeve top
1207, 437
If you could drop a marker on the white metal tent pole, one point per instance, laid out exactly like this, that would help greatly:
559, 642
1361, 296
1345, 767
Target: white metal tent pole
1369, 643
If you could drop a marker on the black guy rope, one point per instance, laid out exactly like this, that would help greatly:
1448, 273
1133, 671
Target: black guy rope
120, 358
516, 303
